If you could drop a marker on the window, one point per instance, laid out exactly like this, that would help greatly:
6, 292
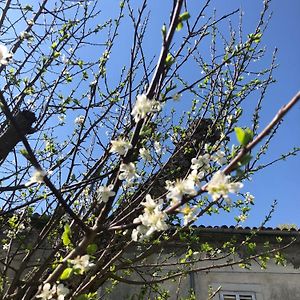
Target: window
237, 296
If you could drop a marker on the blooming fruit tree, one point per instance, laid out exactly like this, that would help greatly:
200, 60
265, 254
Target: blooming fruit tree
107, 150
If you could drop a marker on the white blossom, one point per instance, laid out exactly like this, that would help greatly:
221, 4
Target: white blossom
82, 263
179, 188
37, 177
62, 291
249, 198
242, 218
220, 186
152, 219
120, 146
219, 157
5, 246
5, 56
201, 162
79, 120
47, 292
196, 177
57, 292
157, 147
127, 172
143, 106
189, 214
105, 192
150, 204
145, 154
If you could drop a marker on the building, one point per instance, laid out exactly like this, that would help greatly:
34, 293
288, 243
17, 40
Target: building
231, 282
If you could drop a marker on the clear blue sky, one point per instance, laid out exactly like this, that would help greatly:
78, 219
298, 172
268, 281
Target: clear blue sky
281, 180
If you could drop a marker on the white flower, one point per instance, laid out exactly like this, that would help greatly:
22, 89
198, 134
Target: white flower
79, 120
219, 157
5, 56
150, 204
157, 147
189, 214
180, 188
120, 146
105, 192
202, 162
127, 172
5, 246
139, 233
143, 106
176, 97
62, 291
47, 292
242, 218
249, 198
37, 177
81, 263
196, 177
153, 219
220, 186
145, 154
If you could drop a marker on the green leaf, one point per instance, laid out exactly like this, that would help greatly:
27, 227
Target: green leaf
244, 136
169, 60
184, 16
56, 54
66, 274
54, 45
66, 235
179, 26
89, 296
91, 249
255, 37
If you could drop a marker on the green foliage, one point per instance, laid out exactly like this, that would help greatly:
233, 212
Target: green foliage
89, 296
244, 136
255, 37
66, 274
182, 18
66, 236
91, 249
169, 60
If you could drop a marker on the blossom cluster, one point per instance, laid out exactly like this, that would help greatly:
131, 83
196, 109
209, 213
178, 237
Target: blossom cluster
153, 219
81, 263
120, 146
5, 55
105, 192
143, 106
220, 185
57, 292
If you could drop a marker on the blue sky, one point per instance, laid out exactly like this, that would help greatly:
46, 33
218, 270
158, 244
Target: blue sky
279, 181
